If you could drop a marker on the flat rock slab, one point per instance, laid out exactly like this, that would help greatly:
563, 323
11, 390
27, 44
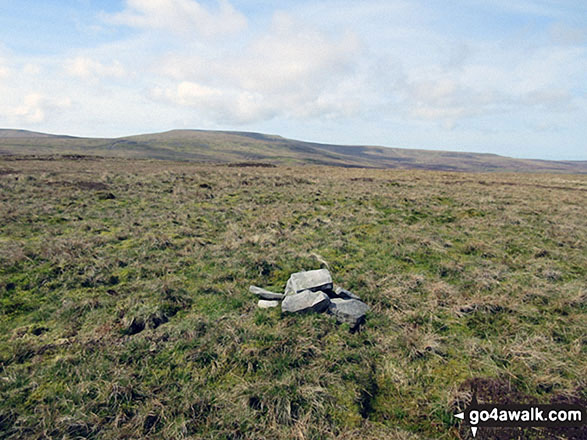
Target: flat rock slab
313, 280
351, 311
345, 294
305, 301
265, 294
267, 304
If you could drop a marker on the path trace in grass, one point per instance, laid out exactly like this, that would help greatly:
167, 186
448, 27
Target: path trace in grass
313, 291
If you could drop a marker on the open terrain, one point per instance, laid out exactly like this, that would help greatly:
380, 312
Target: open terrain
238, 147
125, 311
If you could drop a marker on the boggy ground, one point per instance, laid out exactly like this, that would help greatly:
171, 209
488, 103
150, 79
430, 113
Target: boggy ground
125, 313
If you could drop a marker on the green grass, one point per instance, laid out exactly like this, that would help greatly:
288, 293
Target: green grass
129, 316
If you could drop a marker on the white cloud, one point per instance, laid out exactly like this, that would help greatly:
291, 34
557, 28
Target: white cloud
492, 80
31, 110
551, 99
291, 70
541, 8
185, 17
229, 105
562, 33
31, 69
88, 68
4, 70
298, 68
34, 108
292, 55
366, 72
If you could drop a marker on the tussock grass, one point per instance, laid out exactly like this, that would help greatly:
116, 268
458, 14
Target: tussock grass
124, 310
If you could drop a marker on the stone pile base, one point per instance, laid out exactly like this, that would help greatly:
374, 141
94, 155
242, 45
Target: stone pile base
313, 292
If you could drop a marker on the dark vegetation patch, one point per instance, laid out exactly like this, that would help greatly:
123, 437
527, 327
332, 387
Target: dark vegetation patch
81, 185
252, 164
51, 157
91, 185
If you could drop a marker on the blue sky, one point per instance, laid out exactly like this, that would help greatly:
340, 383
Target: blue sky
496, 76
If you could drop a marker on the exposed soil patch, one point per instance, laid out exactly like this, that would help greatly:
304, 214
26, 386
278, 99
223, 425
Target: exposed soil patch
491, 390
501, 391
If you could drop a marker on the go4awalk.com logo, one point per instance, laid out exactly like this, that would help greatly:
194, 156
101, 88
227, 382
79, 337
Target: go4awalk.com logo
522, 416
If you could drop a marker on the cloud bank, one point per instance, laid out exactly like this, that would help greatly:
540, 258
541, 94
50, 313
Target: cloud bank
390, 72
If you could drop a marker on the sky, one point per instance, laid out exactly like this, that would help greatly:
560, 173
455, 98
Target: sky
494, 76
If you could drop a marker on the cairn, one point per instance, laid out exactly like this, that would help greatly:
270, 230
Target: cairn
314, 292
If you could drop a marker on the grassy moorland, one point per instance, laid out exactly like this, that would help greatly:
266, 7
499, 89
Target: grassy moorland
206, 146
124, 310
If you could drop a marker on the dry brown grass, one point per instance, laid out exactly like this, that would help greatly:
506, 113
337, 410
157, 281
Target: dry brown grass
471, 278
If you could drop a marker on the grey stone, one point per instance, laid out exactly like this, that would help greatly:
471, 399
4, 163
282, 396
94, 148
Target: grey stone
267, 304
289, 290
265, 294
313, 280
305, 301
351, 311
345, 294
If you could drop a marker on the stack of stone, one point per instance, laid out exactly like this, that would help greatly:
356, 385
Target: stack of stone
313, 291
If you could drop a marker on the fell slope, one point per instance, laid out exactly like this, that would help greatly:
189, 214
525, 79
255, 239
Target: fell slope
226, 147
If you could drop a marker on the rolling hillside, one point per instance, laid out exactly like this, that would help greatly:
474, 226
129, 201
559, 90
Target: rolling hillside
125, 310
226, 147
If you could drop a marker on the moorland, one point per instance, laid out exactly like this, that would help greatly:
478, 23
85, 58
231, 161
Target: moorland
125, 311
213, 147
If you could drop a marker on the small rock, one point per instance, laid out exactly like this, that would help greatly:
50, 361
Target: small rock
289, 290
313, 280
351, 311
266, 304
265, 294
305, 301
345, 294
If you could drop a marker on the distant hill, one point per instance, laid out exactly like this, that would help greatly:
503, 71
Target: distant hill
239, 147
12, 133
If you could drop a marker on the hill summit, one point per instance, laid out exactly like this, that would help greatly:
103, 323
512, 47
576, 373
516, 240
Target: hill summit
238, 147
